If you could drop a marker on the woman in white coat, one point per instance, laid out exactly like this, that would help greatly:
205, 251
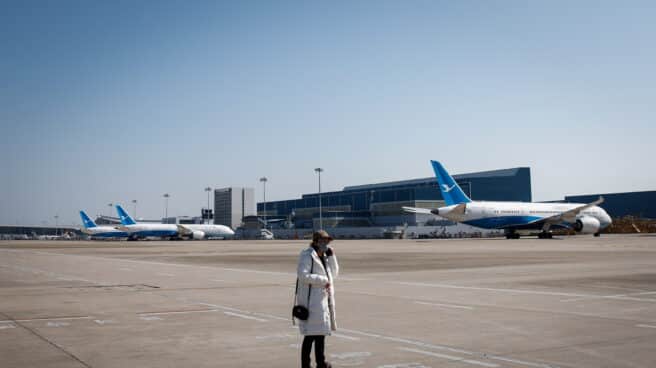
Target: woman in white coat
317, 269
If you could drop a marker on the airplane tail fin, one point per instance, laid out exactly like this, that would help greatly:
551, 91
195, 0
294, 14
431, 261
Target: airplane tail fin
123, 215
451, 191
86, 221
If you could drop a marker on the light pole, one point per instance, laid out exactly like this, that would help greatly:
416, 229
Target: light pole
166, 207
134, 208
56, 225
208, 190
319, 170
110, 205
264, 180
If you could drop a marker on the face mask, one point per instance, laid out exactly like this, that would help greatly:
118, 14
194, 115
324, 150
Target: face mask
322, 247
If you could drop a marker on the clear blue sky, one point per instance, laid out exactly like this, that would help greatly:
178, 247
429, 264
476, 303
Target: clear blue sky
109, 101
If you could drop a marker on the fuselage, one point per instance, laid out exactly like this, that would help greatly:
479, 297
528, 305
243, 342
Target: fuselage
104, 232
209, 230
521, 215
145, 230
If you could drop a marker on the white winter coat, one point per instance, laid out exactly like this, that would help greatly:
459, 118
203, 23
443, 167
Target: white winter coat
321, 320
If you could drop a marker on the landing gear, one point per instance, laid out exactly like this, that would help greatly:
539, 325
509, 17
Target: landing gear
545, 235
512, 235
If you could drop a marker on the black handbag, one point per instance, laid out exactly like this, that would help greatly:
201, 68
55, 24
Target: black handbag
299, 311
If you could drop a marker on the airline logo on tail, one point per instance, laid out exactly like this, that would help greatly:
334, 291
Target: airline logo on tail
446, 188
125, 218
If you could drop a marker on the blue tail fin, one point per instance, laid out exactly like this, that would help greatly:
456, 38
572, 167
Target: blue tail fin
451, 191
86, 221
125, 218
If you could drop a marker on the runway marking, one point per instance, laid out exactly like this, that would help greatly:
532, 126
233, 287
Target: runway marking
446, 305
266, 315
280, 336
104, 321
520, 291
403, 365
4, 325
177, 312
164, 274
58, 324
357, 354
646, 326
245, 316
46, 319
150, 318
216, 280
616, 296
346, 337
450, 357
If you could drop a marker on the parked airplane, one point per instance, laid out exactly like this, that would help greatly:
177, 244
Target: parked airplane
99, 232
514, 216
139, 231
205, 231
171, 231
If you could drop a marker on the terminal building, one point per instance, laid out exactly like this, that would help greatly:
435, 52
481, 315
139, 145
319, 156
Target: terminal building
380, 205
636, 204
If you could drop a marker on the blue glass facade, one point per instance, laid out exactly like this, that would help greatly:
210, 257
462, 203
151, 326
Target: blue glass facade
503, 185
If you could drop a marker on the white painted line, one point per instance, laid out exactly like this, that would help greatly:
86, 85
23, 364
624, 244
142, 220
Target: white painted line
450, 357
104, 321
646, 326
403, 365
165, 274
7, 326
356, 354
345, 337
520, 291
522, 362
216, 280
280, 336
177, 312
245, 316
150, 318
52, 319
445, 305
58, 324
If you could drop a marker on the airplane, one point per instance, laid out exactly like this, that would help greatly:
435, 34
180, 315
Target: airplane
139, 231
205, 231
99, 232
171, 231
514, 216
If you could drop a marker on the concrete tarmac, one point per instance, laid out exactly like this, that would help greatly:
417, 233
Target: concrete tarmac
529, 303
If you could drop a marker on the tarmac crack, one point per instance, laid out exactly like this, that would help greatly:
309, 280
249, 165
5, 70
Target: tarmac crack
45, 339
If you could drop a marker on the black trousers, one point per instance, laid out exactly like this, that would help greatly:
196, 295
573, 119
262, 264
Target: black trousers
319, 349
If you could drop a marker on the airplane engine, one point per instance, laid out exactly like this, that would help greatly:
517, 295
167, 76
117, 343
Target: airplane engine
587, 225
198, 235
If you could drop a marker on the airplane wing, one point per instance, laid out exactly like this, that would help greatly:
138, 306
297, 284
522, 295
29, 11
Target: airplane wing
567, 216
183, 229
424, 211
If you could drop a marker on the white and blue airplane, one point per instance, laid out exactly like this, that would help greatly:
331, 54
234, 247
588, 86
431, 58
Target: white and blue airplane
205, 231
143, 230
514, 216
99, 232
171, 231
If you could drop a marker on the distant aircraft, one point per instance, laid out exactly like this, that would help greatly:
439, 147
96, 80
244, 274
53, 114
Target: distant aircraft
515, 216
99, 232
139, 231
205, 231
